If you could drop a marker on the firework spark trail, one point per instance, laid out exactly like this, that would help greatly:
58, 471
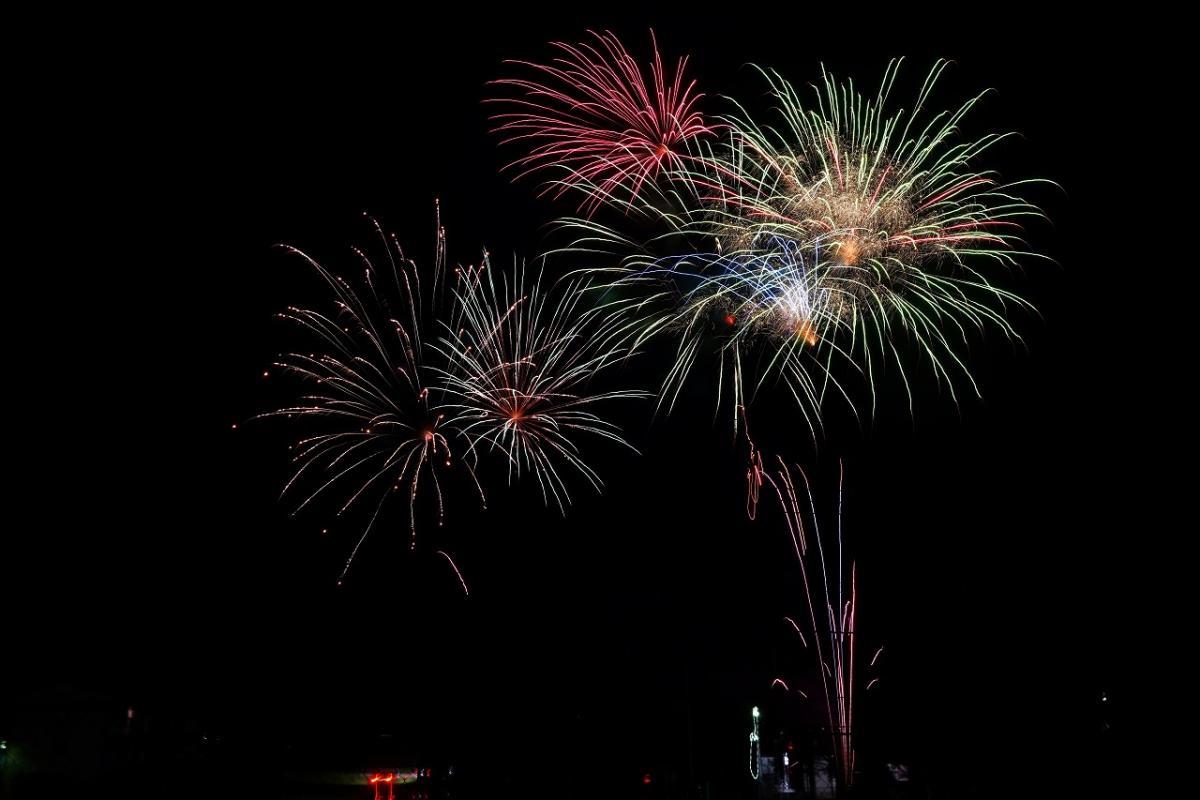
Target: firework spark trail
834, 637
796, 628
404, 415
592, 113
454, 566
786, 493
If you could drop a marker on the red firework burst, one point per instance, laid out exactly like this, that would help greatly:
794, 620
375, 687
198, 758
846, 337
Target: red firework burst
592, 114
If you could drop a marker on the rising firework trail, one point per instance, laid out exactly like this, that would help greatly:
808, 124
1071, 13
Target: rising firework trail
831, 598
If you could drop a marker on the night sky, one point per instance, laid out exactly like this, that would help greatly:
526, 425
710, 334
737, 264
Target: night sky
1002, 543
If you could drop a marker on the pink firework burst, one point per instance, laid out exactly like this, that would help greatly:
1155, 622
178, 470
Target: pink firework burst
592, 115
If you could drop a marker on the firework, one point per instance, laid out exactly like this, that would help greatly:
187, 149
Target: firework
826, 239
383, 432
908, 224
592, 116
402, 416
519, 366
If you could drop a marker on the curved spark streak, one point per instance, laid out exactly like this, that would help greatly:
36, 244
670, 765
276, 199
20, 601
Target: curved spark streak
796, 628
454, 566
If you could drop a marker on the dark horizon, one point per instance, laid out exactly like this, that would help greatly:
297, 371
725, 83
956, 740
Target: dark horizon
998, 540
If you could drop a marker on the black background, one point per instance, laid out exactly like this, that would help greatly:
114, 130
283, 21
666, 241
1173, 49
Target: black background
1004, 543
